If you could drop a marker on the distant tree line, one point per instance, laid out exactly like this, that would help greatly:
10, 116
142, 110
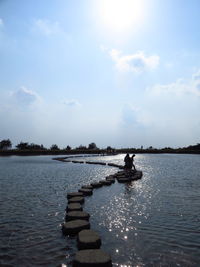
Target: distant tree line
31, 148
6, 144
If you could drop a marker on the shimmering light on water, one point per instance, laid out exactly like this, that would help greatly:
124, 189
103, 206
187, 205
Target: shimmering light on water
150, 222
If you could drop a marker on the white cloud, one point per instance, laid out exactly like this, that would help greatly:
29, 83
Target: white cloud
72, 103
135, 63
24, 96
47, 27
179, 87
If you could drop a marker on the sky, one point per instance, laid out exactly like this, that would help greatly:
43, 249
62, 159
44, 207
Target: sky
120, 73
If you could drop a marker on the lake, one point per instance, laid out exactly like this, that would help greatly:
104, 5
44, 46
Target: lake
154, 221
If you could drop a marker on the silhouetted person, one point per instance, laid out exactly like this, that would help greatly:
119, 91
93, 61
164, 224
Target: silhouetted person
129, 162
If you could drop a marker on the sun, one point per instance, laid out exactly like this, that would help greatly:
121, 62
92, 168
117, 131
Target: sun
121, 15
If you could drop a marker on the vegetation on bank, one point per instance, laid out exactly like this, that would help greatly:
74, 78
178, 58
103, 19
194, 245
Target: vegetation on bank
24, 148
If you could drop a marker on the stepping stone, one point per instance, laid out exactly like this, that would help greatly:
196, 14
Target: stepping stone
111, 164
120, 172
123, 180
92, 258
74, 207
77, 215
105, 182
74, 227
111, 176
101, 163
112, 180
96, 185
74, 194
137, 176
86, 192
88, 239
87, 187
76, 200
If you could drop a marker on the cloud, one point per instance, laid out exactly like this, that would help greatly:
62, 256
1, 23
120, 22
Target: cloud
179, 88
47, 27
135, 63
196, 76
24, 96
72, 103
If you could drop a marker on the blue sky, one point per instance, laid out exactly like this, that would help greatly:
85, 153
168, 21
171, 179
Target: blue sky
123, 73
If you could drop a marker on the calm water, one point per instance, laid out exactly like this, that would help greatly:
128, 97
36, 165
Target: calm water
151, 222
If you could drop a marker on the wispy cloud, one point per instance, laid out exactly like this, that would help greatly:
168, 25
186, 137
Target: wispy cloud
135, 63
24, 96
72, 103
179, 87
47, 27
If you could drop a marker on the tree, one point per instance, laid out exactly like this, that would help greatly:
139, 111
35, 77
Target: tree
33, 146
81, 147
92, 146
68, 148
54, 147
22, 146
5, 144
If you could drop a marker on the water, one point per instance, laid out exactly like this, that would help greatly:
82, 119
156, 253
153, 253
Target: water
151, 222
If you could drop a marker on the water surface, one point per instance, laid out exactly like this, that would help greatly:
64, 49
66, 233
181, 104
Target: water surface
150, 222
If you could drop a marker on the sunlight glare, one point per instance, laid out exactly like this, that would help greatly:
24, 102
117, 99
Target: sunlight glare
121, 15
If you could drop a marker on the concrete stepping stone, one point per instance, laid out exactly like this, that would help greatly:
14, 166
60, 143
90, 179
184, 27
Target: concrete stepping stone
92, 258
112, 180
75, 226
74, 207
86, 192
74, 194
88, 239
96, 185
105, 182
87, 187
76, 200
77, 215
123, 180
111, 176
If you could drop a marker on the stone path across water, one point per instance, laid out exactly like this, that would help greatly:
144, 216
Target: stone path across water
77, 220
67, 159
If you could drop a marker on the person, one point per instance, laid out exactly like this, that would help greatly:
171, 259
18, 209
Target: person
129, 162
